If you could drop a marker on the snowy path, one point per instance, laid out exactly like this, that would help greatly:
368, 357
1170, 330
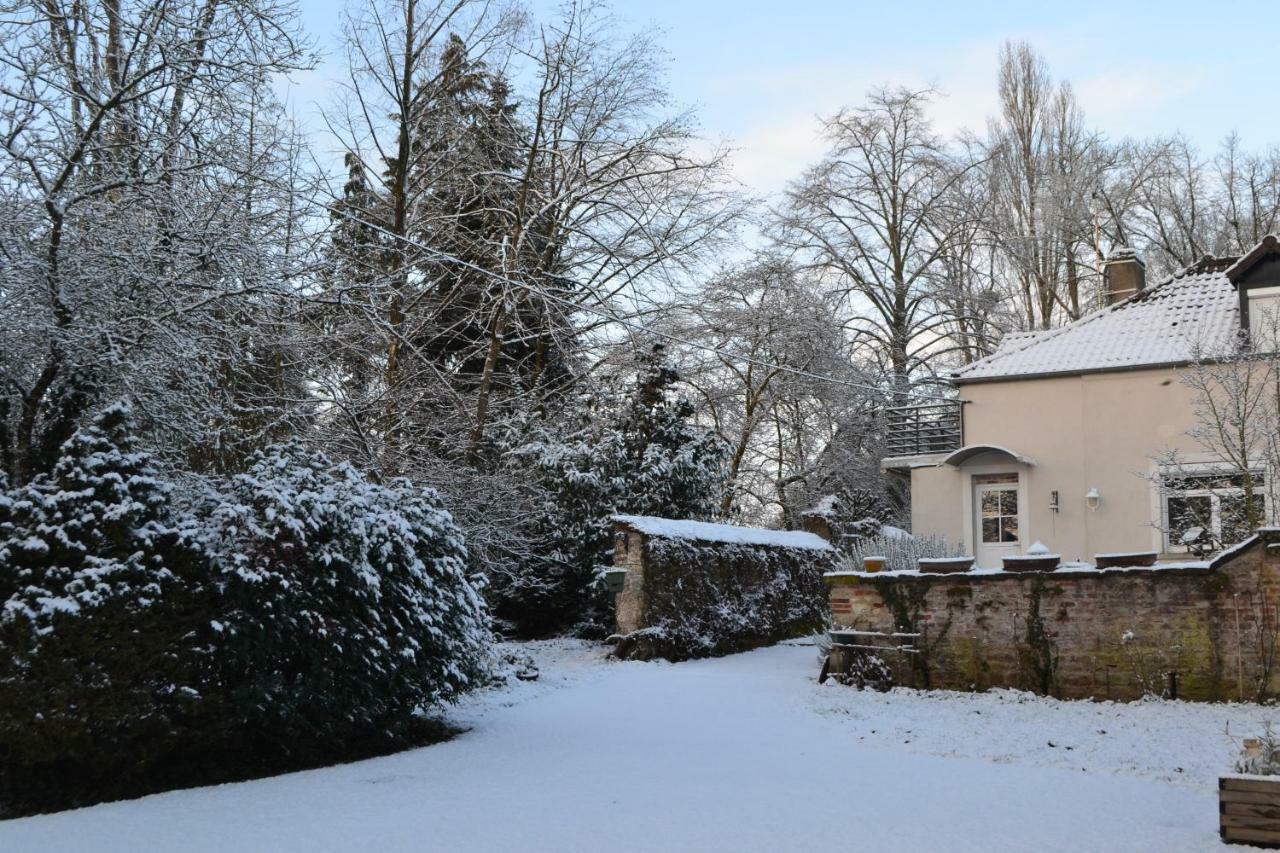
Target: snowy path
738, 754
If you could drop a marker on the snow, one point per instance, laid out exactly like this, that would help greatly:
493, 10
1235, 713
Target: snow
1163, 325
745, 753
1119, 555
702, 531
1238, 548
828, 507
1038, 549
1064, 569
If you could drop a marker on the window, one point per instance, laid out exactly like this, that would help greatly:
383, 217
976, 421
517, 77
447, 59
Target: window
1264, 316
1205, 511
998, 505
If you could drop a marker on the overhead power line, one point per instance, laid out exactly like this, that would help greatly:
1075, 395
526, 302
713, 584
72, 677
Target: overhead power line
631, 324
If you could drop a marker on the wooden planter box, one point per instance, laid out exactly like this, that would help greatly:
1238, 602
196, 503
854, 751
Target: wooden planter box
1121, 561
945, 565
1037, 563
1249, 810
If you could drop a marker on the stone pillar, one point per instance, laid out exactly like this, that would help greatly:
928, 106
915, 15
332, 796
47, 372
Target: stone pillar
628, 553
816, 523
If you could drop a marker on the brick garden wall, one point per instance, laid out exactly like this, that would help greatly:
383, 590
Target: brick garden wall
685, 599
1076, 634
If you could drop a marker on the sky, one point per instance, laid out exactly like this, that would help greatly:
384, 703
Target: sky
760, 74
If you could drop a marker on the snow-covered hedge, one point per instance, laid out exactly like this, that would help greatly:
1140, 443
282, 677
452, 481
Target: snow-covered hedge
344, 602
102, 631
269, 622
714, 598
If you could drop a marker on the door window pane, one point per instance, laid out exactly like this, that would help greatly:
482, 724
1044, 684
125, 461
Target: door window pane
999, 515
1009, 502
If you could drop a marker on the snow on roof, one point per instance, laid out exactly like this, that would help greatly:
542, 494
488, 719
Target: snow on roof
702, 531
1195, 309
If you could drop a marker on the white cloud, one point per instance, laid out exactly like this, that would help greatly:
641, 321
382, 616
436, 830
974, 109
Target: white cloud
1137, 100
772, 153
772, 115
773, 120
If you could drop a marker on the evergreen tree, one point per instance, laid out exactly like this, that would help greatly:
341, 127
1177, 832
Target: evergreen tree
102, 623
644, 456
466, 318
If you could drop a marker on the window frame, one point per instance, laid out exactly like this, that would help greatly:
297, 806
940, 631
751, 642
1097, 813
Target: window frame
1215, 496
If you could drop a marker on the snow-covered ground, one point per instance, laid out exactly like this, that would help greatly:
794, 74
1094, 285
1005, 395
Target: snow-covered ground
740, 754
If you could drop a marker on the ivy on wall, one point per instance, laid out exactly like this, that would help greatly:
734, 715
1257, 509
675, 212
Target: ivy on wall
705, 599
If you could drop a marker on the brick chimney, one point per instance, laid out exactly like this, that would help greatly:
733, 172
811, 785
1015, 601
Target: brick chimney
1123, 275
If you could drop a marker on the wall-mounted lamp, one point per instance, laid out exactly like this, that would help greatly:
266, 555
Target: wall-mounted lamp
1092, 498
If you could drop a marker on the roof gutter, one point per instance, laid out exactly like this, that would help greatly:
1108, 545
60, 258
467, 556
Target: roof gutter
1066, 374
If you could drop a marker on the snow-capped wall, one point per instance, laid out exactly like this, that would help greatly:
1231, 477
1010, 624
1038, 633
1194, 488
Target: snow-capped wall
696, 590
1206, 631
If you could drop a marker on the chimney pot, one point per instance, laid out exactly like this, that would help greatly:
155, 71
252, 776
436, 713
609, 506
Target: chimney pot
1123, 275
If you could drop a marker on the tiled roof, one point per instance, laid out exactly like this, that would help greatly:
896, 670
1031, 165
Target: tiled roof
1195, 310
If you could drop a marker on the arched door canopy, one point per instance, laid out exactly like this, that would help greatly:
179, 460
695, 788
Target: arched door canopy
958, 458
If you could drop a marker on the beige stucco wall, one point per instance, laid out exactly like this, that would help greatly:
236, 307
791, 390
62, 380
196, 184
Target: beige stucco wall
1101, 430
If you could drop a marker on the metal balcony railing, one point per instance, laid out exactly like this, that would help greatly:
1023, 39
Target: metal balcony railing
924, 428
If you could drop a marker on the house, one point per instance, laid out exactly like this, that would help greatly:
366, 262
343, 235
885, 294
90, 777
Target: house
1058, 435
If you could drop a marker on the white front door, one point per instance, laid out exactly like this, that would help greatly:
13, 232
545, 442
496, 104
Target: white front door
996, 533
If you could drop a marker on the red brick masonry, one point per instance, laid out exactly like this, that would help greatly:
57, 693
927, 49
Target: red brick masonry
1195, 630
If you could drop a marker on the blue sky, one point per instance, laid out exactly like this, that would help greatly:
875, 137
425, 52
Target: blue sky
759, 73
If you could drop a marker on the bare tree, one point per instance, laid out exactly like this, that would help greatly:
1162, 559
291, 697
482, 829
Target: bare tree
410, 121
868, 218
1227, 489
145, 173
1250, 193
1182, 205
1046, 167
1174, 214
614, 197
774, 347
505, 229
972, 305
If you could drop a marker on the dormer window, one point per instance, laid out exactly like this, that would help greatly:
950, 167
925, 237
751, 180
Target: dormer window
1264, 315
1256, 278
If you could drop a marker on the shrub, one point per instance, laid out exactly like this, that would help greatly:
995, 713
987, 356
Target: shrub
1260, 756
901, 552
866, 671
292, 616
345, 603
104, 624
